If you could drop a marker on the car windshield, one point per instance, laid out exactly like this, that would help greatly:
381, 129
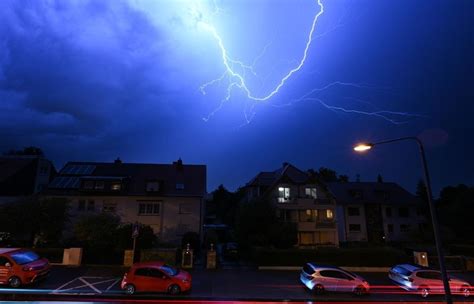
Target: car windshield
24, 257
169, 270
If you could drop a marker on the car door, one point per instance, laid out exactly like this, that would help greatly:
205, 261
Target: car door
5, 269
345, 282
143, 280
160, 281
329, 279
432, 279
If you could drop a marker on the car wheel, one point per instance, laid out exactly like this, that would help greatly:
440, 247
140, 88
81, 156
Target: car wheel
318, 289
424, 291
130, 289
359, 291
174, 289
14, 282
466, 291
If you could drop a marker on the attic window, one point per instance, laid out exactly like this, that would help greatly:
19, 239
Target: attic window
357, 194
153, 186
179, 186
116, 186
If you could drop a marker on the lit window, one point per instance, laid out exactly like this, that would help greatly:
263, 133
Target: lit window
308, 215
329, 214
311, 192
116, 187
283, 194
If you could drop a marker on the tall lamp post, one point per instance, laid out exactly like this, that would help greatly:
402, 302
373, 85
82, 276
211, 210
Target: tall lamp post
362, 147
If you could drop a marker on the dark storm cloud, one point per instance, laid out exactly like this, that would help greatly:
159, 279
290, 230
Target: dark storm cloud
75, 69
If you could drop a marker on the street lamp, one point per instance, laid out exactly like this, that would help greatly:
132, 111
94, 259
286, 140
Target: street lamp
362, 147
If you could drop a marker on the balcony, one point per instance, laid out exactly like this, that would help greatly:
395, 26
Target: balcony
313, 226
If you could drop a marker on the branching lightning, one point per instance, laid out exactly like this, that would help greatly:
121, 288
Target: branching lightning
235, 72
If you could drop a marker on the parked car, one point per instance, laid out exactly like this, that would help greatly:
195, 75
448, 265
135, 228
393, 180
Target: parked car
155, 277
426, 280
321, 278
21, 267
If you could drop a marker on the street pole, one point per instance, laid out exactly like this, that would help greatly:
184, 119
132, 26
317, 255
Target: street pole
434, 216
434, 219
133, 248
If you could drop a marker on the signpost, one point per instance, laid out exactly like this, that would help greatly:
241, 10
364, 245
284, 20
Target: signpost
135, 233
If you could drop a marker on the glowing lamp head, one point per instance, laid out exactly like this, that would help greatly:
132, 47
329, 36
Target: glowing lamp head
363, 147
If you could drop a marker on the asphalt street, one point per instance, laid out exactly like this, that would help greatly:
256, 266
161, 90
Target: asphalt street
221, 284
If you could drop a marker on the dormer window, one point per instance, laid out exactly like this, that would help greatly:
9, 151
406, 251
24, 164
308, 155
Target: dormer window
116, 187
153, 186
357, 194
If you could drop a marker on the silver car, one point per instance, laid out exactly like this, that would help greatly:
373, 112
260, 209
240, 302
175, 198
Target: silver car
426, 281
321, 278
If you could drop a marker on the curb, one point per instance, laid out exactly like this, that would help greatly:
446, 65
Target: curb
348, 268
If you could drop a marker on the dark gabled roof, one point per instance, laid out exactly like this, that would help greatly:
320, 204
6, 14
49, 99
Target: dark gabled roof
371, 192
137, 175
289, 171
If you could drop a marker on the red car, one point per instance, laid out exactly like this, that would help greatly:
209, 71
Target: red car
21, 266
155, 277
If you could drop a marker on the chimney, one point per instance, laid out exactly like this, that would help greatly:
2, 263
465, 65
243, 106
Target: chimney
178, 164
118, 161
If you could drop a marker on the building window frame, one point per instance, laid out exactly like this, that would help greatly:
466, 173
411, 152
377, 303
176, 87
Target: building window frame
149, 208
311, 192
284, 193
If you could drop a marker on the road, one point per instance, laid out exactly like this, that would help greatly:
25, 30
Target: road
67, 283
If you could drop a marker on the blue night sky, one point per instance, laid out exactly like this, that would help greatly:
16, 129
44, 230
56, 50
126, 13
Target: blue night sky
95, 80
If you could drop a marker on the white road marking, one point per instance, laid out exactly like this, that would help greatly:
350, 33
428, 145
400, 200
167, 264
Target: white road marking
84, 283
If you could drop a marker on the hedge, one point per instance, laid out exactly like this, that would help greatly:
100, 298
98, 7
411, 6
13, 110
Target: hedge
54, 255
335, 256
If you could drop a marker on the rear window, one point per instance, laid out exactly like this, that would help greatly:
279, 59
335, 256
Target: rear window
24, 257
169, 270
402, 271
308, 269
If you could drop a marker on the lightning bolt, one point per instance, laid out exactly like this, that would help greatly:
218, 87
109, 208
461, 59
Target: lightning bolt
239, 79
236, 71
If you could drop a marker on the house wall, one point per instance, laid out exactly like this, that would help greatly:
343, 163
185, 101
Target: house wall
413, 221
176, 216
351, 235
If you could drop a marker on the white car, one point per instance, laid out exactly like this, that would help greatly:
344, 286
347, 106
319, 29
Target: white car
321, 278
426, 281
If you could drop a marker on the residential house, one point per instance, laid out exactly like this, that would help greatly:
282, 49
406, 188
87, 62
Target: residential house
167, 197
300, 198
23, 175
377, 212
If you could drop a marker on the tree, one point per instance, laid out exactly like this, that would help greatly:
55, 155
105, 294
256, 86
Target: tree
455, 209
97, 231
26, 151
421, 191
39, 221
146, 237
327, 175
225, 204
258, 225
